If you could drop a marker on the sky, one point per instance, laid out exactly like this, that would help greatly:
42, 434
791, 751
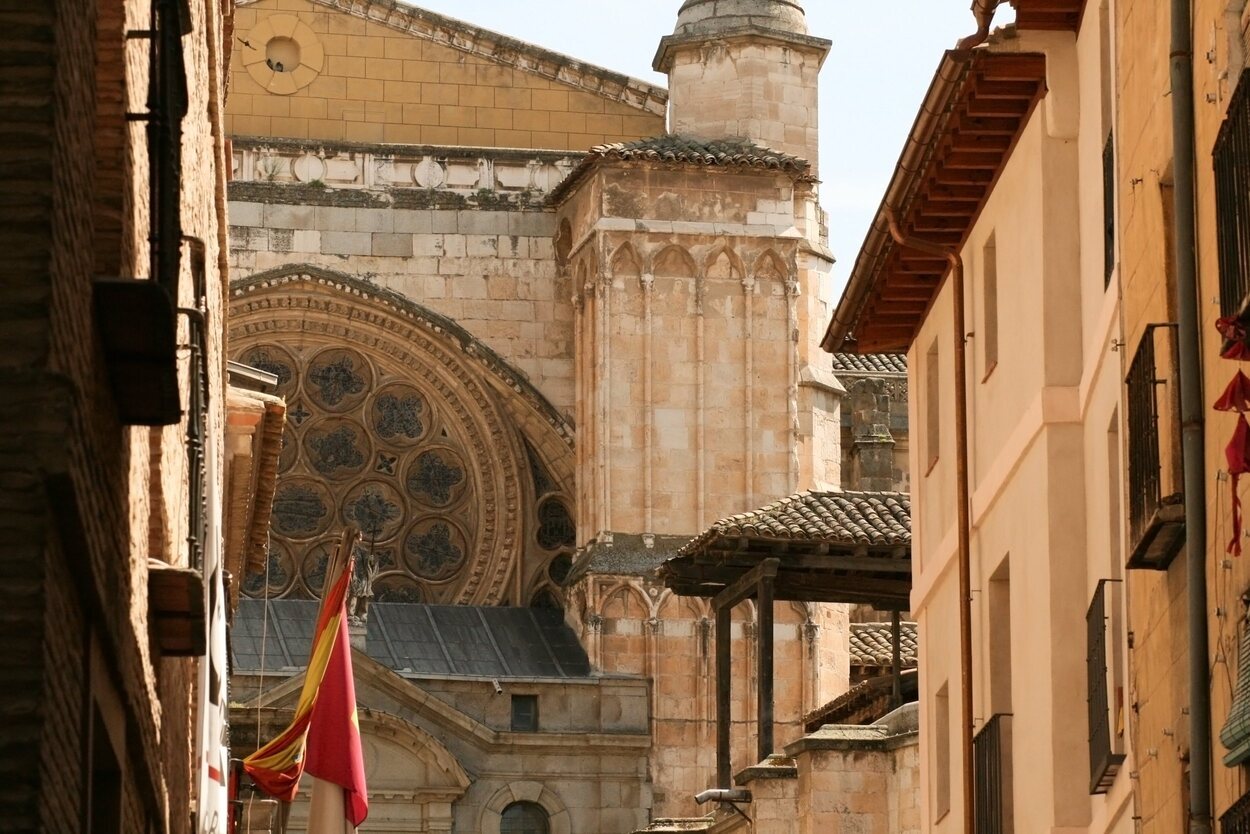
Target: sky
883, 58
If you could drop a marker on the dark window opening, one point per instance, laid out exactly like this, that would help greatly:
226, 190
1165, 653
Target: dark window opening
524, 818
525, 713
555, 525
105, 791
1232, 200
1104, 760
1108, 209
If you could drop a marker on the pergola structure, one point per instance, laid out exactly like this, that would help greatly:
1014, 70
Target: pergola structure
848, 547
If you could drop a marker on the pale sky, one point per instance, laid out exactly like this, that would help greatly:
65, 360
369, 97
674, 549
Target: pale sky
883, 58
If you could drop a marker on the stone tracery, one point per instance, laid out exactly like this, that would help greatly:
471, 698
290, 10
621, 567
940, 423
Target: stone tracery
393, 429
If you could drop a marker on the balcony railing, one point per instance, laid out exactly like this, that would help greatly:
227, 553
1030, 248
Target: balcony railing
1236, 820
991, 762
1231, 159
1156, 515
1104, 759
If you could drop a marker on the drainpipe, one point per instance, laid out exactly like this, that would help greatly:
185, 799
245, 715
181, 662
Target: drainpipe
1192, 429
964, 521
983, 11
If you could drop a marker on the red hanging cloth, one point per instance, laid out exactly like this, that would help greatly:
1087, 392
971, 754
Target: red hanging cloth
1238, 455
1235, 346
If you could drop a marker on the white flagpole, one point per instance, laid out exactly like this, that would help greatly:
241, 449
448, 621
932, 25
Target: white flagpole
327, 812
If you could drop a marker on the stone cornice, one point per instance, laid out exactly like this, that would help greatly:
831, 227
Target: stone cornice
670, 44
502, 49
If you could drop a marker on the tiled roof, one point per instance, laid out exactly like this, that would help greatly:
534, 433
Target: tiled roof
728, 152
864, 703
872, 644
868, 518
870, 363
416, 639
731, 152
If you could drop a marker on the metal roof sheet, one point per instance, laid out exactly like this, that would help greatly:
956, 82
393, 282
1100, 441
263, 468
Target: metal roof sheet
422, 640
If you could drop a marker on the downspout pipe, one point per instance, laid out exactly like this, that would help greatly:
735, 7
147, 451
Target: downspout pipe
964, 515
983, 11
1192, 428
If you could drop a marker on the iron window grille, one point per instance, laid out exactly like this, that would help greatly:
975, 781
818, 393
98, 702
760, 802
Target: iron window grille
993, 810
1156, 526
1236, 820
1104, 758
1231, 158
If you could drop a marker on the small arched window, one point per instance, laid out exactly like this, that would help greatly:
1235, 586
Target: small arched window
524, 818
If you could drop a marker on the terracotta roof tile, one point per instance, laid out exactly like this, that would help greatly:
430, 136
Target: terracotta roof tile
868, 518
871, 644
870, 363
727, 152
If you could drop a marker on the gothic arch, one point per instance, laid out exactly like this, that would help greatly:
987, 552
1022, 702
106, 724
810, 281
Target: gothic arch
769, 265
401, 423
626, 590
673, 261
721, 249
625, 260
525, 791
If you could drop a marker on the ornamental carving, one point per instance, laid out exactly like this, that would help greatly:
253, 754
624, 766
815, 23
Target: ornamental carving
395, 428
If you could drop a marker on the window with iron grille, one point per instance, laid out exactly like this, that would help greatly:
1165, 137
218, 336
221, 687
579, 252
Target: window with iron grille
1153, 435
1236, 820
1231, 158
992, 777
1108, 209
1104, 760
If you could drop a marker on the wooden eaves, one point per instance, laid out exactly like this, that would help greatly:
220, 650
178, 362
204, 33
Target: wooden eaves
972, 116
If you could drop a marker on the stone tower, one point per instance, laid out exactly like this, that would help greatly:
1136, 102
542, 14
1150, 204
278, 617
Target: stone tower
745, 68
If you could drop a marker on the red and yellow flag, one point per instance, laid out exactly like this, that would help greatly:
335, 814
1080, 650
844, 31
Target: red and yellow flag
334, 753
276, 768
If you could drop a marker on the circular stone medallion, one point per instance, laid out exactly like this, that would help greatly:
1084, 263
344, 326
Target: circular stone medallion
274, 360
338, 379
436, 478
376, 508
337, 448
434, 548
301, 508
399, 414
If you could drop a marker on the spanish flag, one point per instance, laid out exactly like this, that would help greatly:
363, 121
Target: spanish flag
276, 768
340, 800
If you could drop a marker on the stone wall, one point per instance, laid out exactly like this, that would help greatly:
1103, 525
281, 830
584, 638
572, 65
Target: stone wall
375, 72
490, 270
87, 500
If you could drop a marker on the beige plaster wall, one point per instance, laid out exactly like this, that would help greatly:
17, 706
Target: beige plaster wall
377, 83
1042, 512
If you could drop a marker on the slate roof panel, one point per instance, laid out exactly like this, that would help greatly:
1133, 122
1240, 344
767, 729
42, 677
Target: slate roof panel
422, 640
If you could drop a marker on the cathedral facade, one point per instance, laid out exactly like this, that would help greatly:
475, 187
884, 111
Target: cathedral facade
536, 325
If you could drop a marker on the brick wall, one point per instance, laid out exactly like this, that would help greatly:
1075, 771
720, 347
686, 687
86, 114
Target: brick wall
74, 484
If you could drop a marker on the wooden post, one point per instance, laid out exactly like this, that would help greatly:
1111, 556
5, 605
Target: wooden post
896, 635
724, 776
764, 601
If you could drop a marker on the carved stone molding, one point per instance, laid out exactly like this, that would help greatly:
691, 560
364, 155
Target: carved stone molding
394, 428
